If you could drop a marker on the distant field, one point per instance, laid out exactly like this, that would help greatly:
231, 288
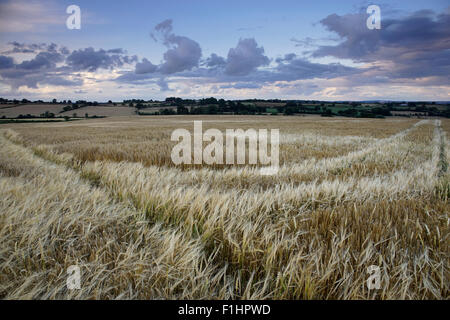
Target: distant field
269, 104
104, 194
38, 109
32, 109
31, 120
102, 111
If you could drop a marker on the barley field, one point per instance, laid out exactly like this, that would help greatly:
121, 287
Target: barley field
104, 194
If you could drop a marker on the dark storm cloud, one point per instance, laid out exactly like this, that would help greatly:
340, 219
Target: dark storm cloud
245, 58
417, 45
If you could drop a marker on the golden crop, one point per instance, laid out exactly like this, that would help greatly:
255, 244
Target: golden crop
104, 195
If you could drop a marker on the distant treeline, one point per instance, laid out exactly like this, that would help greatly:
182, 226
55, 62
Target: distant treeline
327, 109
176, 105
54, 101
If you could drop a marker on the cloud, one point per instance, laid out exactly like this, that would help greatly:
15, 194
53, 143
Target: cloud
43, 60
6, 62
417, 45
182, 54
56, 66
41, 69
245, 58
410, 52
163, 85
117, 51
295, 68
163, 28
215, 61
61, 81
287, 57
18, 47
17, 77
135, 78
90, 60
145, 67
22, 48
241, 85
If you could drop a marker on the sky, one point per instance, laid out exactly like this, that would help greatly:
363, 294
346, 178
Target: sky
316, 50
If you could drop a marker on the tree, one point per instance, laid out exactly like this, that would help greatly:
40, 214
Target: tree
86, 115
167, 112
47, 114
327, 113
54, 100
211, 109
291, 104
182, 110
290, 110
